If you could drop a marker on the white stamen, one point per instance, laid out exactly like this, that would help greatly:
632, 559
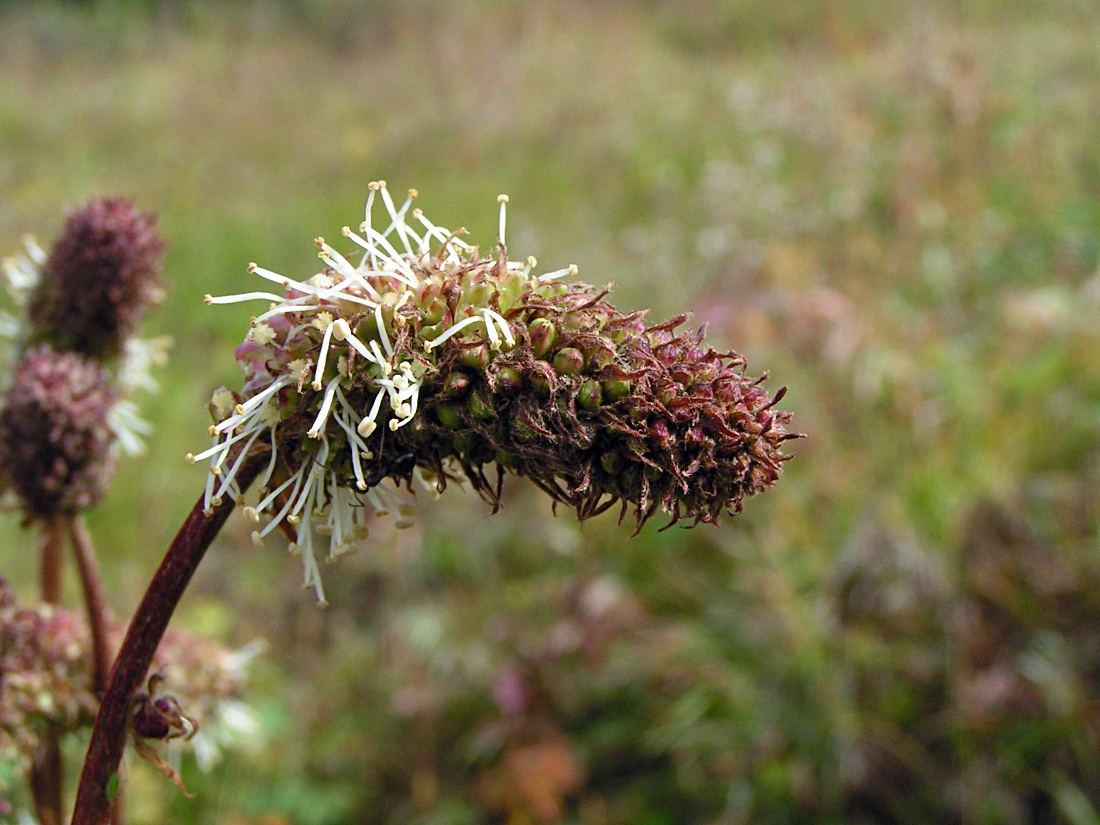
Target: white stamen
322, 360
505, 327
382, 330
503, 201
570, 270
326, 405
381, 359
358, 346
454, 329
243, 296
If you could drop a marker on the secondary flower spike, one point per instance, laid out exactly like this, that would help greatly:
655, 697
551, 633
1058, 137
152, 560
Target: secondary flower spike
99, 278
424, 359
55, 435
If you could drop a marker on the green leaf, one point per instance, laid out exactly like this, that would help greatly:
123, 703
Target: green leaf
113, 785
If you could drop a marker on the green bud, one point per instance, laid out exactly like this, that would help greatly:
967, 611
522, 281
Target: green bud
614, 390
509, 380
433, 313
510, 291
590, 395
476, 358
456, 384
465, 442
599, 357
542, 334
431, 331
667, 394
541, 383
507, 460
477, 295
568, 361
449, 416
367, 329
481, 407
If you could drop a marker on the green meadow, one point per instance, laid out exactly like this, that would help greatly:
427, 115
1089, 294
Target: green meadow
892, 207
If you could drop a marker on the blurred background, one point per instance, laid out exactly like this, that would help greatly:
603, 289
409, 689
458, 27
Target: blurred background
894, 207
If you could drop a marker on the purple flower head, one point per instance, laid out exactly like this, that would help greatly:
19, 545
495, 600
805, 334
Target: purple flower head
98, 280
55, 439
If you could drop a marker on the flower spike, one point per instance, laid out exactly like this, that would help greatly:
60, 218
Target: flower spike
429, 361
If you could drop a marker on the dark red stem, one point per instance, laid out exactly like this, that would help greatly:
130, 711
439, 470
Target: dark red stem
136, 654
94, 601
47, 771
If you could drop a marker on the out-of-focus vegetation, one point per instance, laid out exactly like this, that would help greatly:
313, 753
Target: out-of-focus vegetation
893, 206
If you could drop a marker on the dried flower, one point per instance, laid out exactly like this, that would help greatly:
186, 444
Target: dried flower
429, 361
55, 439
100, 277
45, 680
44, 677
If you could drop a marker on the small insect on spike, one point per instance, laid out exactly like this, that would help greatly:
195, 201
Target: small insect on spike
503, 201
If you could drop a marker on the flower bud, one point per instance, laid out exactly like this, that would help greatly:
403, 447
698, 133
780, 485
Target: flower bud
508, 380
456, 384
542, 334
616, 389
101, 275
476, 358
590, 395
568, 361
481, 406
599, 357
55, 438
449, 416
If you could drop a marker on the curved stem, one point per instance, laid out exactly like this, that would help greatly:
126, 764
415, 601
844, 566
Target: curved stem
136, 654
53, 535
94, 601
47, 771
